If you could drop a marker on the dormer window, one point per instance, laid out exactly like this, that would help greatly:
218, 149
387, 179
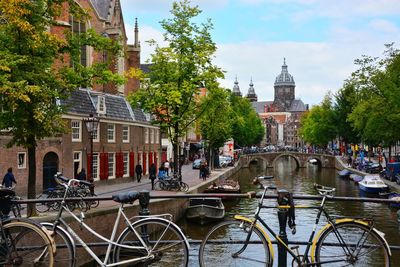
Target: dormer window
101, 105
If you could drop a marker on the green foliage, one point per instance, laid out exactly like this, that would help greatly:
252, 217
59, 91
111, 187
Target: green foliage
178, 72
318, 125
247, 128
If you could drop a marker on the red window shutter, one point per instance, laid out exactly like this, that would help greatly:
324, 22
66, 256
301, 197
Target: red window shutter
155, 158
150, 158
89, 166
119, 164
144, 163
164, 156
103, 166
132, 164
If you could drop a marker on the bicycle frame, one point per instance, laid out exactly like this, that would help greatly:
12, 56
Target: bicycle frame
310, 243
111, 241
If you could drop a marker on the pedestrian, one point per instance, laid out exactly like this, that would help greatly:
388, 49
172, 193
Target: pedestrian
9, 179
82, 175
166, 167
139, 171
171, 165
203, 171
152, 174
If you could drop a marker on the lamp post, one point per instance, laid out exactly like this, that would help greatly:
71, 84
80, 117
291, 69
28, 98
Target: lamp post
91, 123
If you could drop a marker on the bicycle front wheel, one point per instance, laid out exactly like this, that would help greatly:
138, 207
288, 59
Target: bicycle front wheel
167, 245
225, 245
184, 187
25, 244
361, 246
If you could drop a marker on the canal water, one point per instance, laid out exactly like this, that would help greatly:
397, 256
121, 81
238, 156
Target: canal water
301, 181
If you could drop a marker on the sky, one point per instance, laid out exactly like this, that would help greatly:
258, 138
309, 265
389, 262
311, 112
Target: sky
320, 39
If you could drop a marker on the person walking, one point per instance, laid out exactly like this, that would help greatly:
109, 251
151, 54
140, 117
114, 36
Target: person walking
166, 167
9, 179
152, 173
82, 175
203, 171
139, 171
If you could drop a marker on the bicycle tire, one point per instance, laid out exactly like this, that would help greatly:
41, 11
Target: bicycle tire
228, 238
372, 253
94, 203
25, 244
159, 185
184, 187
65, 246
170, 245
42, 207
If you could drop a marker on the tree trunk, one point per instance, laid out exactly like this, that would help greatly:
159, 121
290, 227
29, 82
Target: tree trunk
177, 163
31, 211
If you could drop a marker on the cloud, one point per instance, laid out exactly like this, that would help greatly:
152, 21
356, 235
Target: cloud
385, 26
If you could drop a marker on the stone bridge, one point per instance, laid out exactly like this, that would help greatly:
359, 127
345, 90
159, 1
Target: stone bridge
268, 159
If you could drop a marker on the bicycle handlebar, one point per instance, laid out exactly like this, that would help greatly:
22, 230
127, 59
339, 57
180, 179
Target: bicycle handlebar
324, 190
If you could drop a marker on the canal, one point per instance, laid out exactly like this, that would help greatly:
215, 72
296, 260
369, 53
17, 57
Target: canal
301, 181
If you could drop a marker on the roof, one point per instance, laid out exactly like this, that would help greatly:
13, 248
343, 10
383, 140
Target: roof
260, 106
284, 78
102, 7
297, 106
83, 102
145, 67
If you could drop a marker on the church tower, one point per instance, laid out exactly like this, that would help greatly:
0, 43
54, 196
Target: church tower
284, 89
251, 94
236, 88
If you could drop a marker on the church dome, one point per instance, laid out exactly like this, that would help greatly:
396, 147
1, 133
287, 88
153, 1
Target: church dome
284, 78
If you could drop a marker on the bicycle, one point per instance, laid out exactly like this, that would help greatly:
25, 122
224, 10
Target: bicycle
150, 240
341, 242
171, 183
23, 242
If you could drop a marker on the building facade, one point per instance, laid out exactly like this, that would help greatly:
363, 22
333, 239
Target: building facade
123, 136
281, 116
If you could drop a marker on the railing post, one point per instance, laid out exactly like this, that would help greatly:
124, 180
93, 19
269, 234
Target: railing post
282, 217
144, 200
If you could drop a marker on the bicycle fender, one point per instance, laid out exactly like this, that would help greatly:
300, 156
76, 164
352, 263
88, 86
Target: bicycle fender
339, 221
271, 248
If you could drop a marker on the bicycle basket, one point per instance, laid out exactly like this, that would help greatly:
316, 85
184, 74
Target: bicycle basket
5, 200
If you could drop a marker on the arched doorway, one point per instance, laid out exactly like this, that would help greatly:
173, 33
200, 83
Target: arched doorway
50, 167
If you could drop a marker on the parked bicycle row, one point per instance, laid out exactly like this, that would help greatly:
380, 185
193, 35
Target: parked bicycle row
157, 241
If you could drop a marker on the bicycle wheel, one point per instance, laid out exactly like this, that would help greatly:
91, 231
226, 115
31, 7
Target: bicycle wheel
25, 244
159, 185
94, 203
42, 207
365, 247
65, 249
165, 240
226, 239
184, 187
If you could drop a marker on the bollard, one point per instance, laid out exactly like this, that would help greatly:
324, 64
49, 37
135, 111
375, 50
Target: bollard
282, 217
144, 200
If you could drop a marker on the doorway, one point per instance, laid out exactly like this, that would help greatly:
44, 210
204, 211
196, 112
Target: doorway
50, 167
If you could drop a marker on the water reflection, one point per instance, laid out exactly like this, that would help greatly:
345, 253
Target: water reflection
301, 181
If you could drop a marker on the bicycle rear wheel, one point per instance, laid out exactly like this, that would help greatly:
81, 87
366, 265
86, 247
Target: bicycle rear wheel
367, 248
25, 244
222, 245
165, 240
42, 207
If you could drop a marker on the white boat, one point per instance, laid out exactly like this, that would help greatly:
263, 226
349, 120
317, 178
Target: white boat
372, 184
204, 210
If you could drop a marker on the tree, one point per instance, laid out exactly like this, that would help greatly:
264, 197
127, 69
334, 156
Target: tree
178, 73
30, 83
215, 124
318, 125
247, 128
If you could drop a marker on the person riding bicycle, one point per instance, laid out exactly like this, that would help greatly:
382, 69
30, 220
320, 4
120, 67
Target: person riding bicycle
9, 179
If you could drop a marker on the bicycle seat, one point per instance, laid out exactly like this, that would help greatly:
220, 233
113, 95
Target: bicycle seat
128, 197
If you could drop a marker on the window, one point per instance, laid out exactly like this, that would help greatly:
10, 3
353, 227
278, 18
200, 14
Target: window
96, 133
101, 104
146, 135
77, 163
151, 136
111, 165
76, 131
95, 166
79, 27
111, 133
126, 164
157, 136
21, 160
125, 134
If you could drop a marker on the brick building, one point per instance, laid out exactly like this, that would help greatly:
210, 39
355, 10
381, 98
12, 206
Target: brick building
124, 135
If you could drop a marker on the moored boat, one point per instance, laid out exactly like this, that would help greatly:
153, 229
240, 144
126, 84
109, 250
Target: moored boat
394, 196
372, 184
265, 177
344, 173
227, 186
204, 210
356, 178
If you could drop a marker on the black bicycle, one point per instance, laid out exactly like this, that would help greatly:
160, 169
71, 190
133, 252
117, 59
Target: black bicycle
341, 242
171, 184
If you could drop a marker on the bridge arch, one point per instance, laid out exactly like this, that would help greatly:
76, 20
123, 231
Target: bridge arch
261, 161
287, 155
317, 159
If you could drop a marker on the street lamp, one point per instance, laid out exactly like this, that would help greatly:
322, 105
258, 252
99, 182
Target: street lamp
91, 124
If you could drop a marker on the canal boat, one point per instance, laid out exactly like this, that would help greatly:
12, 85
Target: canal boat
344, 173
205, 210
372, 184
265, 177
356, 178
227, 186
